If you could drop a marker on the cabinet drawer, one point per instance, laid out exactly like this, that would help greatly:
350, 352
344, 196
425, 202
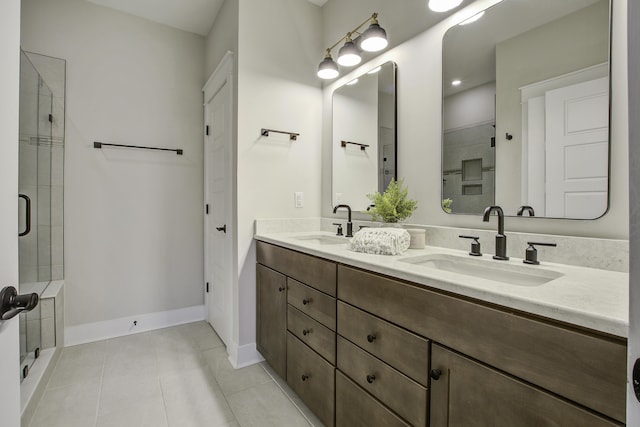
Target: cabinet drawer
312, 378
316, 272
356, 408
313, 333
321, 307
401, 349
400, 393
581, 366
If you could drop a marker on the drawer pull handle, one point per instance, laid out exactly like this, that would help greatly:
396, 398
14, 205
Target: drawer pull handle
305, 377
371, 379
306, 301
306, 332
281, 289
371, 337
435, 374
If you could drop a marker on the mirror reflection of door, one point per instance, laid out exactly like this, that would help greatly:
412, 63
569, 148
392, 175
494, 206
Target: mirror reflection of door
566, 127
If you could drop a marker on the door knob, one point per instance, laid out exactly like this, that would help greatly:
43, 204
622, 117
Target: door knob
223, 228
11, 304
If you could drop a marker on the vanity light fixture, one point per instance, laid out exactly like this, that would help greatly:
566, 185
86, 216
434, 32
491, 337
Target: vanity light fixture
349, 54
328, 69
373, 39
474, 18
443, 5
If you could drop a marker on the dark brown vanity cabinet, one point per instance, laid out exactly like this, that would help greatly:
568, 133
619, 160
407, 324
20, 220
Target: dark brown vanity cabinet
363, 349
296, 327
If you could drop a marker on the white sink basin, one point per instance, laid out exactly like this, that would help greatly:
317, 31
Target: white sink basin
322, 239
490, 270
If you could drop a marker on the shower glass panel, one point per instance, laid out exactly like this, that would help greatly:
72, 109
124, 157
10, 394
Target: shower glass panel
40, 185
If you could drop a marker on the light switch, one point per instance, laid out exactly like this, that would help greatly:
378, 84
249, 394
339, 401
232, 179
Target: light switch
299, 199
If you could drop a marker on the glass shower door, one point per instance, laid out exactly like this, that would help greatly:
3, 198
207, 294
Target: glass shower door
34, 208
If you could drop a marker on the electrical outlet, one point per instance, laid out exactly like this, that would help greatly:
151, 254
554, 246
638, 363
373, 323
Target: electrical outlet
299, 199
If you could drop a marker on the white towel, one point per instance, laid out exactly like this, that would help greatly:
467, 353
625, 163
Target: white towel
384, 241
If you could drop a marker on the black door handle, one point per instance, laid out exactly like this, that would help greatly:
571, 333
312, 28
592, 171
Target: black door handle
27, 229
223, 228
11, 304
636, 379
435, 374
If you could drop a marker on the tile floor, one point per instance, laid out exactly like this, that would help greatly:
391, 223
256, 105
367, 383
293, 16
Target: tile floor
178, 376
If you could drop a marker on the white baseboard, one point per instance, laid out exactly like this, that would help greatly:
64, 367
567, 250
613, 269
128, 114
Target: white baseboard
90, 332
244, 355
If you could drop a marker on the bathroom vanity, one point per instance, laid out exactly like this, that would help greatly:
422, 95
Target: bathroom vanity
372, 340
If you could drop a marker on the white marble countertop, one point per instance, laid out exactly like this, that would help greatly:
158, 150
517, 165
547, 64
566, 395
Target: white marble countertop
588, 297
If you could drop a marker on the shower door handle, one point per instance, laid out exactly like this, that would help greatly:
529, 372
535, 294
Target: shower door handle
27, 229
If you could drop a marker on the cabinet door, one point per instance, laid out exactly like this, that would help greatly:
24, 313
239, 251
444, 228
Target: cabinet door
468, 393
271, 318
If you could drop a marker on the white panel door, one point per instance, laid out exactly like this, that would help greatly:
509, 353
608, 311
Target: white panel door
217, 225
9, 88
577, 150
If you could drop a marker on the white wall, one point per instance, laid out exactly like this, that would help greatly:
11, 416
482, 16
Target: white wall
420, 127
279, 41
133, 219
9, 88
223, 37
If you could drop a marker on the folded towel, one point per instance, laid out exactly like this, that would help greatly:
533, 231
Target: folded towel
384, 241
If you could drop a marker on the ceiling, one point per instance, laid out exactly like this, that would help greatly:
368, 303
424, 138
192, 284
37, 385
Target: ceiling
195, 16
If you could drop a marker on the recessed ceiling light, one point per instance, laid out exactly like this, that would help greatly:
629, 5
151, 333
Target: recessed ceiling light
443, 5
456, 83
474, 18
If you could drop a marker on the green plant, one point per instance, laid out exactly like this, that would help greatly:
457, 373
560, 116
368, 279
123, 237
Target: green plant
392, 205
446, 205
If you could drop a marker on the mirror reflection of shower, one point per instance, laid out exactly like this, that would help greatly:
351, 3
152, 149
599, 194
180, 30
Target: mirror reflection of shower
40, 187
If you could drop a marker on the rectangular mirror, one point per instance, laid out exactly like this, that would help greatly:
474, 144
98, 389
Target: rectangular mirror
364, 136
526, 110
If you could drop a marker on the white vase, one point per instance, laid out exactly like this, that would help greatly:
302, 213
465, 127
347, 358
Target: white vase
418, 238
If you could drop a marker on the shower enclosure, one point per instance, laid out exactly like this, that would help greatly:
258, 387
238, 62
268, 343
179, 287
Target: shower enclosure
40, 187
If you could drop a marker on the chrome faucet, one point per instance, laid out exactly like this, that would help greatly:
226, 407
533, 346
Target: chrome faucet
501, 239
349, 223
